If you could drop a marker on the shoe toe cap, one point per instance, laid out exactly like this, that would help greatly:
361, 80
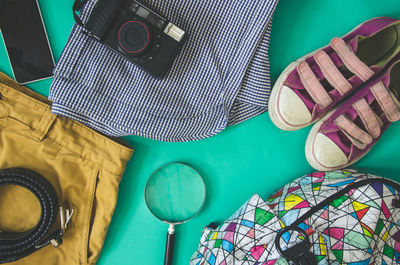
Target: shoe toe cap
292, 109
327, 153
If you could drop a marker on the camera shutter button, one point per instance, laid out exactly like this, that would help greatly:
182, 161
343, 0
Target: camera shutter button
134, 37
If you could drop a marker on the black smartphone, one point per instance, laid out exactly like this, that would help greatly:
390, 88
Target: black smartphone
26, 41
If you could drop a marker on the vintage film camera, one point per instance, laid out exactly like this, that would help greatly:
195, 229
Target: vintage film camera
137, 33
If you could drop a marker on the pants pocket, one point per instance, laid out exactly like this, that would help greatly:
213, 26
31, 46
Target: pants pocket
105, 200
89, 215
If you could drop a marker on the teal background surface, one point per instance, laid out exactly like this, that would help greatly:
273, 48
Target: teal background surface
253, 157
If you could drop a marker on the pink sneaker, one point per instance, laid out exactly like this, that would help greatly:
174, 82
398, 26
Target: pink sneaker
346, 134
310, 87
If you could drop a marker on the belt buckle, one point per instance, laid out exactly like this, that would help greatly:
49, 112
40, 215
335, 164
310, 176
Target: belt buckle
65, 217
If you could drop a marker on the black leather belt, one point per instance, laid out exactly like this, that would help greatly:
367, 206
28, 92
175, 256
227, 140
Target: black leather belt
14, 246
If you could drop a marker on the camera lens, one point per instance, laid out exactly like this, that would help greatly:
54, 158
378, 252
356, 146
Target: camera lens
134, 37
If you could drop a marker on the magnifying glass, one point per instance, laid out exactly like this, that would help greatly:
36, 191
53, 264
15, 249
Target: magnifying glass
174, 193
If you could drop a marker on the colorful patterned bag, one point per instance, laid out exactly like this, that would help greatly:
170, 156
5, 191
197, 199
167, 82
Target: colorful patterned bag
341, 217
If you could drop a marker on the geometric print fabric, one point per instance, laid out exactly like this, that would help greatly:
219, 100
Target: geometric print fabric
360, 226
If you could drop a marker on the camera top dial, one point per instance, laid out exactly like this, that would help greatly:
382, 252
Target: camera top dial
134, 37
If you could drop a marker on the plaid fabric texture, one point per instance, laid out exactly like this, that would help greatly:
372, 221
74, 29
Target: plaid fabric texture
220, 78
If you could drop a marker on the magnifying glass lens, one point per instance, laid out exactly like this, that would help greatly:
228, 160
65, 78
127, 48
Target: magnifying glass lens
175, 193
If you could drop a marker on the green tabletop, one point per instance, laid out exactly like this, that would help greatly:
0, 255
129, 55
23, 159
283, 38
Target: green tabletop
253, 157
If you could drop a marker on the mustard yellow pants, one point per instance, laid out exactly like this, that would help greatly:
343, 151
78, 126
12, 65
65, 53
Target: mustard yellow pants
83, 166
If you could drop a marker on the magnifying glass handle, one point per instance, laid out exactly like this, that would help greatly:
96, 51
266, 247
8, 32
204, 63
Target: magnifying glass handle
169, 248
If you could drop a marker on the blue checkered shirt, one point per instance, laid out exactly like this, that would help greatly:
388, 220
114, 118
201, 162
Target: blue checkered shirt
220, 78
